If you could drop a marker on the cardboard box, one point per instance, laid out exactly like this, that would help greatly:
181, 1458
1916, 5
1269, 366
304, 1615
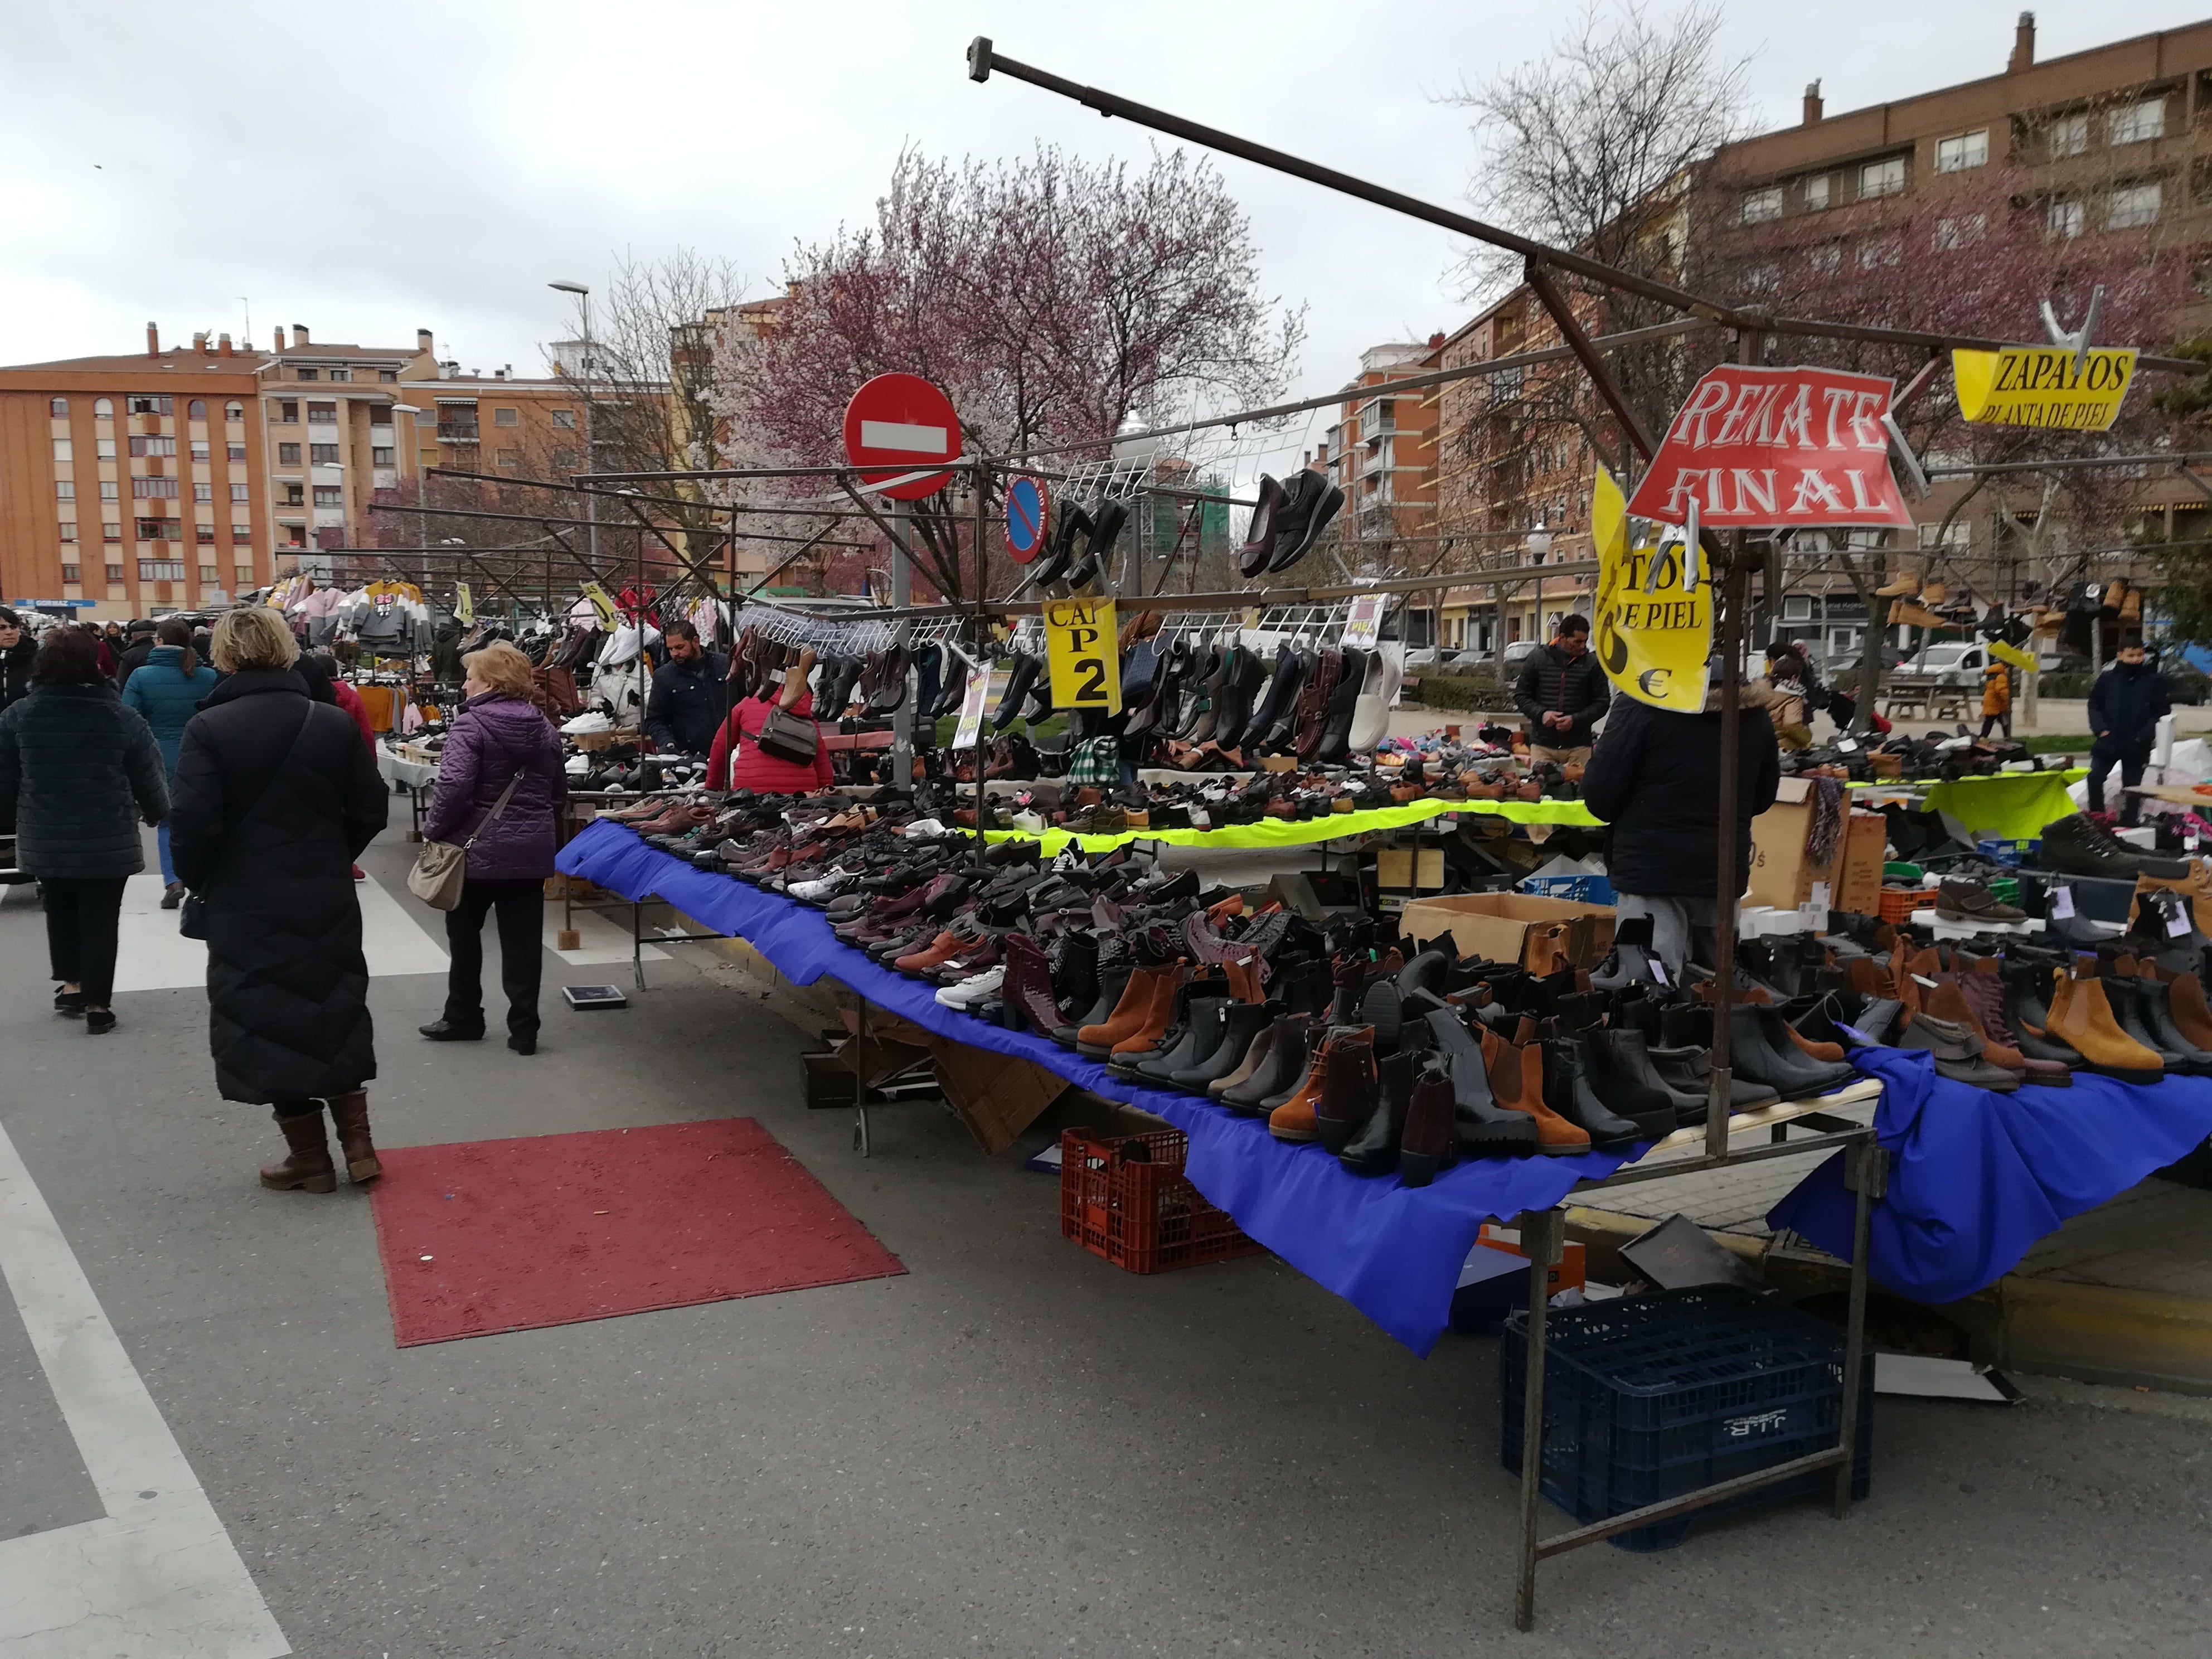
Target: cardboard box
889, 1045
1536, 932
1857, 883
1394, 870
1783, 876
995, 1095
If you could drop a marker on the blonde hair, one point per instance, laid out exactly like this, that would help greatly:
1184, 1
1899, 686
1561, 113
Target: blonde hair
501, 666
253, 637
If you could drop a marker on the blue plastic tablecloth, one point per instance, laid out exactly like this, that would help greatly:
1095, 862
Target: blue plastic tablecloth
1394, 1252
1976, 1178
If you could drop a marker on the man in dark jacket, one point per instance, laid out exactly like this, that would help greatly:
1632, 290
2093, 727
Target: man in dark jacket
136, 653
1655, 778
2126, 706
690, 694
1563, 693
17, 647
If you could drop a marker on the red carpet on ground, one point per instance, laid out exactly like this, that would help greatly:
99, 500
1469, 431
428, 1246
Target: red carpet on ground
486, 1235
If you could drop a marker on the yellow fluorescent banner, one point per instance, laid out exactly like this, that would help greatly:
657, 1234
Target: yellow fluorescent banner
1082, 654
2038, 386
1654, 633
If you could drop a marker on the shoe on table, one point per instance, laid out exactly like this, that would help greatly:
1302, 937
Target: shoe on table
1958, 900
970, 993
174, 894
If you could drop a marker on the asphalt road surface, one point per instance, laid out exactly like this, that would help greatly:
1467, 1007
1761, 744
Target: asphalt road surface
209, 1443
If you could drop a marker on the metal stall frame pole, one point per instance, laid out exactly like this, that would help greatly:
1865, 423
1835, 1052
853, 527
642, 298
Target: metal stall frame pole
1541, 1233
902, 599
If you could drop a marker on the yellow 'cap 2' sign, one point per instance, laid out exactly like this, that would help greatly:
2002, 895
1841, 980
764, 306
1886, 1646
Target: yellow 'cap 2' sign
2038, 386
1084, 655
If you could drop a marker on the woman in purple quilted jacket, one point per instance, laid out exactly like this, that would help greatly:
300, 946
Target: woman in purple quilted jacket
499, 737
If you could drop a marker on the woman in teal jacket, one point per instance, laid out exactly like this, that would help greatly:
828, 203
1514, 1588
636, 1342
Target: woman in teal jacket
169, 691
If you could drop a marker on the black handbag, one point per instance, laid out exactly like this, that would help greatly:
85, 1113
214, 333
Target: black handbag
787, 737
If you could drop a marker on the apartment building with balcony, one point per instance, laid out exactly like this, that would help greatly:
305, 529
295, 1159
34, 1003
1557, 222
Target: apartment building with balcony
1513, 468
1382, 453
133, 482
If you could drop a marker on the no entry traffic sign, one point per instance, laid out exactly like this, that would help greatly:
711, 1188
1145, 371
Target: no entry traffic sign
896, 423
1027, 506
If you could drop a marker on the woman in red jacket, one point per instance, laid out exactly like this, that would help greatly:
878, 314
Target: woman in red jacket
764, 774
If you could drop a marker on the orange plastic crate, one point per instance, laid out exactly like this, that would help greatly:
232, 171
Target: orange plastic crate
1898, 904
1127, 1199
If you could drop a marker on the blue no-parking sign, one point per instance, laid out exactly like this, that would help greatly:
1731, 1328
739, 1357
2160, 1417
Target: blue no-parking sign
1028, 508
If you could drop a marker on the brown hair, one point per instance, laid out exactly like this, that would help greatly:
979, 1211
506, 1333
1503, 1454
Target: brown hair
501, 666
69, 656
172, 632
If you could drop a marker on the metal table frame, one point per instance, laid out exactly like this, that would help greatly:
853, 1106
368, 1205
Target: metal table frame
1541, 1236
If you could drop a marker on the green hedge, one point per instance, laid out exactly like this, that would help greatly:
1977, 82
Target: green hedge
1483, 692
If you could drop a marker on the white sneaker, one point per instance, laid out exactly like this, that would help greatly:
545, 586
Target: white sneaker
821, 886
969, 991
924, 829
1033, 822
593, 722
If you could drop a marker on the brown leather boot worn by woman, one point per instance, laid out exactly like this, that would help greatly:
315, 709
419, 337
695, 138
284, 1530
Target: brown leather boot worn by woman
308, 1168
350, 1114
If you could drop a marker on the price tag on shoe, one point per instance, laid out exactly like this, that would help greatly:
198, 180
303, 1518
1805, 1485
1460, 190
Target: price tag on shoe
2062, 903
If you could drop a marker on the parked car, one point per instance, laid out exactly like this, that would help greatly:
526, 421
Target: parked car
2184, 682
1422, 661
1519, 652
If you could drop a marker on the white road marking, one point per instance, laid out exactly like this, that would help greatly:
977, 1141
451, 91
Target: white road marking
602, 942
157, 1576
152, 956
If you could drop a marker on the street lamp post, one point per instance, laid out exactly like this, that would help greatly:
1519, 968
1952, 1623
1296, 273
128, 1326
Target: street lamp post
422, 477
583, 293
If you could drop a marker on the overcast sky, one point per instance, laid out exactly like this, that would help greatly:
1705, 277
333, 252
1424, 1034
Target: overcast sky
369, 170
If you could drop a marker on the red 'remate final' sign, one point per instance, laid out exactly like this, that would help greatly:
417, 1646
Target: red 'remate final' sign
1776, 448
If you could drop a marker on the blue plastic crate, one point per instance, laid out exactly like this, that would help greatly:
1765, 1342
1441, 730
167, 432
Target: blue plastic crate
1582, 890
2013, 852
1649, 1397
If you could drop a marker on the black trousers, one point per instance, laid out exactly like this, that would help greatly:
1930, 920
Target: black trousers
81, 923
521, 907
2130, 762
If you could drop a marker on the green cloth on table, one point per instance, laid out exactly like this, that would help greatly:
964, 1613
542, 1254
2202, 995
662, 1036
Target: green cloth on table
1302, 832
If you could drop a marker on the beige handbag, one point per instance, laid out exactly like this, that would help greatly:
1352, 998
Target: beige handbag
442, 867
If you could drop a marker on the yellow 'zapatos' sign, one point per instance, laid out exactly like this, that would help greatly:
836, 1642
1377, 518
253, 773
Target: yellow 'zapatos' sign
1082, 654
2038, 386
2012, 654
1654, 630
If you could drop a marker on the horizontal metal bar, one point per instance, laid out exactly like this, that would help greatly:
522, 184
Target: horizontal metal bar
1562, 1542
2071, 463
1667, 1169
983, 61
631, 495
1488, 366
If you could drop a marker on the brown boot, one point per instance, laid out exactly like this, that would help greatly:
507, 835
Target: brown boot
2192, 1017
1096, 1042
309, 1166
1517, 1083
2082, 1018
1161, 1015
350, 1114
1904, 584
1295, 1119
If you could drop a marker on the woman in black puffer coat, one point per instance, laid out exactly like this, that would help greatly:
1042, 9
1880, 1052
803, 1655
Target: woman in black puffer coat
276, 796
78, 772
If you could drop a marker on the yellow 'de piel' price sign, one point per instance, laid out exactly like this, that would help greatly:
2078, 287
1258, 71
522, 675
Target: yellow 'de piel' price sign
1082, 654
1655, 629
2038, 386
